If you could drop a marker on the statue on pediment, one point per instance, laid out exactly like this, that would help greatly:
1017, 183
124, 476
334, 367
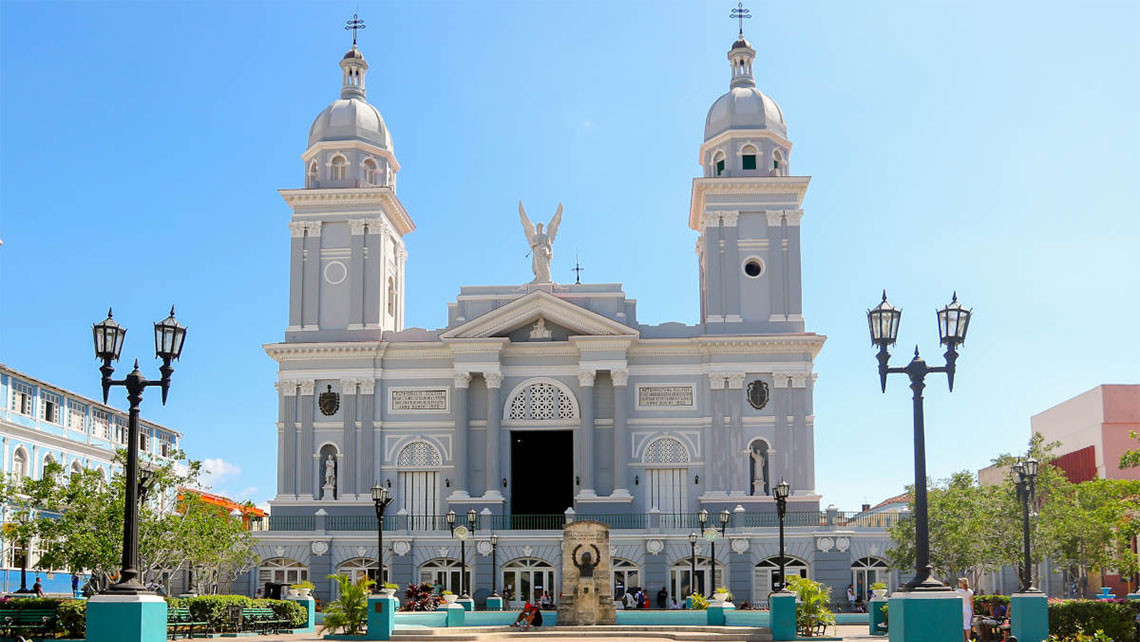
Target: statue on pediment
541, 243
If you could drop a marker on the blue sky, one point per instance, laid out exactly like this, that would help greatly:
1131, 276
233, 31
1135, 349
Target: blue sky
991, 148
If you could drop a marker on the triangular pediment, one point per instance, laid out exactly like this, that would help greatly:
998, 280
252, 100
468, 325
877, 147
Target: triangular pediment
527, 310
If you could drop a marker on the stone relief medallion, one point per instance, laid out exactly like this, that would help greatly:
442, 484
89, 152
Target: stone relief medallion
758, 394
527, 550
328, 402
320, 547
484, 548
739, 545
401, 547
279, 551
654, 546
842, 544
874, 549
360, 551
824, 544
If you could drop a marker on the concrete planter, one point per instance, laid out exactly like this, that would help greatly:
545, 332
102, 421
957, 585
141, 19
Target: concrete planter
450, 599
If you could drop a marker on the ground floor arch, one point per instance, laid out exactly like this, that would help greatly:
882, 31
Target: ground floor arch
445, 572
766, 576
281, 570
865, 571
527, 578
625, 576
682, 581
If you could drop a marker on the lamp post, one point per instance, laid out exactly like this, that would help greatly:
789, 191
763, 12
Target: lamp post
462, 533
381, 498
953, 321
692, 563
494, 563
712, 535
782, 490
169, 336
1025, 474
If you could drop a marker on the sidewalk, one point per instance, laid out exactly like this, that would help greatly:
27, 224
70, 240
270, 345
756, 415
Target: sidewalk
847, 632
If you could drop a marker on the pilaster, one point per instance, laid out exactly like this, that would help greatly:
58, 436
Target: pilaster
310, 296
620, 380
462, 426
367, 400
306, 453
494, 381
586, 453
356, 274
346, 475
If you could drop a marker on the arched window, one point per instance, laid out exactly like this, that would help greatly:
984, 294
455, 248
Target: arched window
20, 463
748, 157
329, 470
48, 459
778, 168
282, 570
718, 164
626, 576
311, 177
865, 572
526, 579
446, 572
76, 469
358, 567
665, 480
339, 168
681, 580
370, 174
542, 402
766, 576
391, 296
758, 467
418, 479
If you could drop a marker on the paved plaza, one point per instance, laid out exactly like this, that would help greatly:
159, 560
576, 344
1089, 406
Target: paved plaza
847, 632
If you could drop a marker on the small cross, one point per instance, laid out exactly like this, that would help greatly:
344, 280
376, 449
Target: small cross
356, 23
739, 14
577, 270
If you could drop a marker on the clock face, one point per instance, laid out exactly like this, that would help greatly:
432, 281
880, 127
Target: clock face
712, 534
461, 532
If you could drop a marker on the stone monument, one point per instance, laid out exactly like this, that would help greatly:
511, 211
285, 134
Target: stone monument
587, 597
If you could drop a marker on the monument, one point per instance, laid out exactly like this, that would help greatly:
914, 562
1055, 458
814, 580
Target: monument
587, 597
541, 243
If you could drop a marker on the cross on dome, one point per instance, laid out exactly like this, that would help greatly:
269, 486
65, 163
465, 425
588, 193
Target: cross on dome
356, 23
739, 14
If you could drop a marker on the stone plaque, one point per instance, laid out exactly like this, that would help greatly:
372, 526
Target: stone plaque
418, 400
665, 396
587, 597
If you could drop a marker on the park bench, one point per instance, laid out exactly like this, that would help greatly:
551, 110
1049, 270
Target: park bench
262, 620
26, 622
179, 620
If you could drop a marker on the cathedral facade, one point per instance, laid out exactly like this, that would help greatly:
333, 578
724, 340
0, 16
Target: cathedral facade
541, 403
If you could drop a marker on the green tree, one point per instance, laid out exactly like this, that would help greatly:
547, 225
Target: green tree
349, 612
1131, 458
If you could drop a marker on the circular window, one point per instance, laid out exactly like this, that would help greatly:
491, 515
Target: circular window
753, 267
335, 272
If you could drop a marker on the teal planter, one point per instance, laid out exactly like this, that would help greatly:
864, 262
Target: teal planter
310, 606
1030, 616
875, 616
456, 614
716, 613
126, 618
467, 603
782, 615
381, 617
928, 616
494, 603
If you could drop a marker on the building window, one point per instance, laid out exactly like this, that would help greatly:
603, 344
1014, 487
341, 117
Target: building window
370, 173
312, 175
339, 168
76, 469
49, 459
718, 163
748, 157
144, 440
865, 572
527, 579
359, 567
682, 584
20, 463
391, 296
446, 572
22, 398
777, 163
542, 402
418, 484
49, 407
100, 424
281, 570
626, 576
76, 415
122, 429
766, 575
165, 444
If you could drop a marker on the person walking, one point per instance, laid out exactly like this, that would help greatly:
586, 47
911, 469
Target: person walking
628, 601
74, 586
851, 598
967, 596
38, 588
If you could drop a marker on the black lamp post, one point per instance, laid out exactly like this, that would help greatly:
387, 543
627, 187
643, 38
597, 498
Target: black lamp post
462, 533
782, 490
494, 564
692, 564
381, 497
712, 535
953, 321
169, 336
1025, 474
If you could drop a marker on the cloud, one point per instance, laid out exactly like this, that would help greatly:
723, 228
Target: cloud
218, 471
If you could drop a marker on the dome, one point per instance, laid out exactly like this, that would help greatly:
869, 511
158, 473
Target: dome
744, 108
350, 119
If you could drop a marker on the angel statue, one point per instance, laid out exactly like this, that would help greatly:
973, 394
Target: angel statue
541, 243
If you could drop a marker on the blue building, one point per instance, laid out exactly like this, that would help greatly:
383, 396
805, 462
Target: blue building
41, 424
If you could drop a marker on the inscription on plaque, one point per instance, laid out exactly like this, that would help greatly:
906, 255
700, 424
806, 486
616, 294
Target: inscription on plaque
419, 400
665, 396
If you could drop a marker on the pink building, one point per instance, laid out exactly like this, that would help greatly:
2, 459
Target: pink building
1093, 429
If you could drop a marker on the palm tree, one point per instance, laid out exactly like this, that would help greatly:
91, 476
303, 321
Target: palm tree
349, 612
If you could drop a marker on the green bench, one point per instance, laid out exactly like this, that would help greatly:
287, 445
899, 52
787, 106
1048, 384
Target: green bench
179, 620
26, 622
263, 620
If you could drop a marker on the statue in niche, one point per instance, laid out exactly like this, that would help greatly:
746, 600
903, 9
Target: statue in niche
330, 472
540, 331
759, 454
541, 243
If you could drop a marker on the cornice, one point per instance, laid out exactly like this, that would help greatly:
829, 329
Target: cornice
534, 305
384, 197
795, 186
340, 350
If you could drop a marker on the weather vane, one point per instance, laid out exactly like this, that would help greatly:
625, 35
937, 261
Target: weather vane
577, 270
739, 14
357, 23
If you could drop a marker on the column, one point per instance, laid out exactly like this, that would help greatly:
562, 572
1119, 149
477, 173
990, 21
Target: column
621, 438
735, 450
792, 251
296, 272
779, 462
311, 294
777, 268
282, 440
346, 460
364, 470
459, 454
586, 448
494, 382
714, 475
732, 267
306, 457
356, 227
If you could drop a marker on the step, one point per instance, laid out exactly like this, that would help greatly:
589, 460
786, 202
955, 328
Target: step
678, 633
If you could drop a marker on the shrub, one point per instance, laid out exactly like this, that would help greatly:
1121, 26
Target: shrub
1070, 618
1099, 636
305, 584
210, 608
73, 618
811, 609
879, 586
349, 612
297, 615
420, 597
698, 601
982, 602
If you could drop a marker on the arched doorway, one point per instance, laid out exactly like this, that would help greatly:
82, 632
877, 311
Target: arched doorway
358, 567
526, 578
766, 576
865, 572
281, 570
626, 575
418, 466
445, 572
681, 580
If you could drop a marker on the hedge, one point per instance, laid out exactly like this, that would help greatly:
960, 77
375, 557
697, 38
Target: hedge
1069, 617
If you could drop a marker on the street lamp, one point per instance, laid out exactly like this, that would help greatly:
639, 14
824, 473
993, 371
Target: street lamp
381, 498
712, 534
462, 533
169, 335
494, 563
782, 490
953, 321
1025, 474
692, 564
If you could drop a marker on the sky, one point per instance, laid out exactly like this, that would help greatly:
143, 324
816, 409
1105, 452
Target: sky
988, 148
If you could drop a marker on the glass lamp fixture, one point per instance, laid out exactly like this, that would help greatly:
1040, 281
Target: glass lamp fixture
169, 335
783, 489
953, 321
883, 321
692, 538
108, 335
451, 518
724, 517
703, 517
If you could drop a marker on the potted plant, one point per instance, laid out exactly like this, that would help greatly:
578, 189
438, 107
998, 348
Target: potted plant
348, 614
879, 589
449, 597
301, 589
812, 613
722, 594
388, 590
697, 602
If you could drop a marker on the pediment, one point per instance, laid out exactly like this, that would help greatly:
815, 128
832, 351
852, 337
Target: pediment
566, 317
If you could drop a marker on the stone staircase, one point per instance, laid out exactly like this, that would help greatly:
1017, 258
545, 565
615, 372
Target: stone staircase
678, 633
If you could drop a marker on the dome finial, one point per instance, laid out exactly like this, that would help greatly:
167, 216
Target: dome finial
739, 14
353, 25
353, 63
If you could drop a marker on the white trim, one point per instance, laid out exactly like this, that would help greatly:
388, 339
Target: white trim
518, 389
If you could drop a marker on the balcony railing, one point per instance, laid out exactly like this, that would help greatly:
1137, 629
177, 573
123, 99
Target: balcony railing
622, 521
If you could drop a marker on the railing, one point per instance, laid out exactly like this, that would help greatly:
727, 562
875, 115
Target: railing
292, 522
870, 520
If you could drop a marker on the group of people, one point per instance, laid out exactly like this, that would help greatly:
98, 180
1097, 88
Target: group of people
636, 598
992, 625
